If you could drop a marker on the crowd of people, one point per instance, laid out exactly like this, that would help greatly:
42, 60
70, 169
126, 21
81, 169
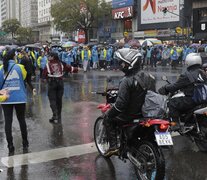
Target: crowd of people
102, 57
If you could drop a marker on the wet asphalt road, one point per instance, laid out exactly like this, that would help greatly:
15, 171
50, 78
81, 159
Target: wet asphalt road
183, 162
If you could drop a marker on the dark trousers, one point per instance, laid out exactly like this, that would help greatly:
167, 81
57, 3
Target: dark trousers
8, 114
180, 105
55, 94
29, 80
153, 62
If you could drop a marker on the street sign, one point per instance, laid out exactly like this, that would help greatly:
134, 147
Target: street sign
178, 30
126, 34
203, 26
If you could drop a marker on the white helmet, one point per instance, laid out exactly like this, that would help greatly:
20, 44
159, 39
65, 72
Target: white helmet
192, 59
130, 56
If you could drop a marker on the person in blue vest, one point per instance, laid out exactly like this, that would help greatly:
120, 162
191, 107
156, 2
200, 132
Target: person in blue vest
64, 56
94, 57
14, 82
74, 56
109, 57
69, 60
41, 62
174, 57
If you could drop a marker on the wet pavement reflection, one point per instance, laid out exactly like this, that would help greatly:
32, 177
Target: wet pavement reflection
79, 113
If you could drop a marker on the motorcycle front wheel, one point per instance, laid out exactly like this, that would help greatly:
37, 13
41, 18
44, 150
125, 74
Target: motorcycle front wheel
100, 137
149, 161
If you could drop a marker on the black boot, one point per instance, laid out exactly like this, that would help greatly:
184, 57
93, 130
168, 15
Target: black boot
25, 144
113, 149
54, 118
59, 118
11, 149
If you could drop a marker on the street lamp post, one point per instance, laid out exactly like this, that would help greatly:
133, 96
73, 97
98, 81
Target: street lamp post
165, 10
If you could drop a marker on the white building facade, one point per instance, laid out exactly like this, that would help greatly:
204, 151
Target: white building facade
47, 31
9, 10
29, 13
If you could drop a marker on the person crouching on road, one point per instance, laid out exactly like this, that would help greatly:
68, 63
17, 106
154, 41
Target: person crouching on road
12, 77
54, 72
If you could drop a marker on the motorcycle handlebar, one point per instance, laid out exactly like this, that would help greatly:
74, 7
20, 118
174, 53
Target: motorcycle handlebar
101, 93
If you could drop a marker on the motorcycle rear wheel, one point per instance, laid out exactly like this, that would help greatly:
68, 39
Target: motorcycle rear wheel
151, 159
100, 137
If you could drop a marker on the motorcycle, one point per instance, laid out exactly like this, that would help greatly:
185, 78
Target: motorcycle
139, 141
197, 118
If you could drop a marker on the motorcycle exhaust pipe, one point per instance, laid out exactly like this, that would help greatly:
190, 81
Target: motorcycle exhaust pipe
133, 160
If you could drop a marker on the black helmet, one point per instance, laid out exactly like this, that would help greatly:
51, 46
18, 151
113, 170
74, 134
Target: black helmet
131, 58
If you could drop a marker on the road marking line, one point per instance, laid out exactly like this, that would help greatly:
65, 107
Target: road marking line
49, 155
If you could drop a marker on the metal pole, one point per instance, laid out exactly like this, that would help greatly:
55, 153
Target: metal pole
188, 26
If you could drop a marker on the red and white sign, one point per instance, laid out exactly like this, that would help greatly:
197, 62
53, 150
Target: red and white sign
81, 36
122, 13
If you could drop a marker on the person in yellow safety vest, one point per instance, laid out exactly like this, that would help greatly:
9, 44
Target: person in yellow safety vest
180, 54
86, 57
41, 62
103, 54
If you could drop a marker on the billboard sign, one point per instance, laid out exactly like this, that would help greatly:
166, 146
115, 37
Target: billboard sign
122, 13
122, 3
152, 11
81, 36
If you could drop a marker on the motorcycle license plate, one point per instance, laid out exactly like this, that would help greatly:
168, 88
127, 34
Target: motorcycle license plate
163, 138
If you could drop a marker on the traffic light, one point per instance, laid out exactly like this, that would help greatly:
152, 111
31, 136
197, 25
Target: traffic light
164, 10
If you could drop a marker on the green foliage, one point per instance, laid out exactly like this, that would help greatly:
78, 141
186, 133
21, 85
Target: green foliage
11, 26
23, 34
70, 15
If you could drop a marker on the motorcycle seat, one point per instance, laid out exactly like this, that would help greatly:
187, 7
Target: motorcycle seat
201, 111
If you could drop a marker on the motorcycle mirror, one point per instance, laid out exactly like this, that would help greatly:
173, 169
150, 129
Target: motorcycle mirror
164, 78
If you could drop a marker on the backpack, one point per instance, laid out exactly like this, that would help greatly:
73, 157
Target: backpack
200, 88
154, 104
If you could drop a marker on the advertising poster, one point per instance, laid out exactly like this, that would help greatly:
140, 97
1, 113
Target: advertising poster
152, 11
122, 13
122, 3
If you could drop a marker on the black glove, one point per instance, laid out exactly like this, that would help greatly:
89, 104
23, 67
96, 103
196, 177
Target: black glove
106, 120
163, 90
110, 114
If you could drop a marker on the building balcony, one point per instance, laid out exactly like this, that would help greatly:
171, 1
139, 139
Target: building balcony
43, 24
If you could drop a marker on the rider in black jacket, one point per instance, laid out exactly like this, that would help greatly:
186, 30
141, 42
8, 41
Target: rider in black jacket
130, 96
182, 104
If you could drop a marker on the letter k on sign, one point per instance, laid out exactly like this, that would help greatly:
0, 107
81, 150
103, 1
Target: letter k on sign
152, 4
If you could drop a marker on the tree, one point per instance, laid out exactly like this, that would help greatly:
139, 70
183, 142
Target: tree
23, 35
11, 26
70, 15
